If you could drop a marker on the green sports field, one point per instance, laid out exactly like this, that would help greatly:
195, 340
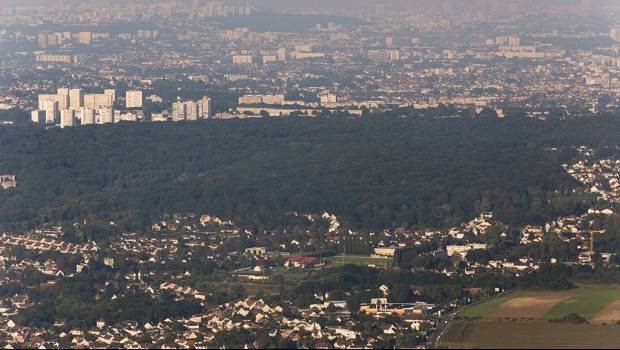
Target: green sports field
360, 260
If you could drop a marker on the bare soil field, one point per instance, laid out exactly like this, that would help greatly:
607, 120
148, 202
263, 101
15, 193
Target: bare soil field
488, 334
610, 314
535, 306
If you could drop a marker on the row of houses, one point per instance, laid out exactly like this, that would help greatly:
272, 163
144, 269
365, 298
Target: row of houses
39, 242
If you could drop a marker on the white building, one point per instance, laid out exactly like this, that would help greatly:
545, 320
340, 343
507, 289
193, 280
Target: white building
96, 101
383, 55
178, 111
51, 111
86, 116
385, 251
111, 93
204, 108
106, 115
61, 100
37, 116
191, 110
76, 98
67, 118
273, 99
508, 40
126, 117
62, 92
327, 99
133, 99
614, 34
282, 54
242, 59
250, 99
159, 117
463, 249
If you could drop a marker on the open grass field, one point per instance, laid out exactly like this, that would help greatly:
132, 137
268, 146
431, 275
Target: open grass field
359, 260
490, 334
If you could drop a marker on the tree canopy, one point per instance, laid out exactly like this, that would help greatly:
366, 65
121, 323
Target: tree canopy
376, 172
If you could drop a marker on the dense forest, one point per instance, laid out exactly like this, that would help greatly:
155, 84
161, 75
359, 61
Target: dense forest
381, 171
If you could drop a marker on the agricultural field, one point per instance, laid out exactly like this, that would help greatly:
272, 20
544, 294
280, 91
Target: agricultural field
506, 334
482, 310
530, 319
598, 304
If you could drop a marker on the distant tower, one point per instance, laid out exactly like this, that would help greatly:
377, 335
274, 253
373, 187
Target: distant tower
248, 9
585, 6
445, 7
76, 98
380, 10
42, 40
614, 33
282, 54
67, 118
204, 108
111, 93
483, 9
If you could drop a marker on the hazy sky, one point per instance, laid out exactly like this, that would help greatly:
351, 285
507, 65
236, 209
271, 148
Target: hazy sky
328, 5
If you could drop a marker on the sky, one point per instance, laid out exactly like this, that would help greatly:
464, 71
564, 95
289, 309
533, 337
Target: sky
327, 5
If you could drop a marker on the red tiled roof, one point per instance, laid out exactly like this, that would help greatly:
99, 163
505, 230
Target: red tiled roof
305, 260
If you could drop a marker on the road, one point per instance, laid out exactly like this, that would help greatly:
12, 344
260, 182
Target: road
443, 321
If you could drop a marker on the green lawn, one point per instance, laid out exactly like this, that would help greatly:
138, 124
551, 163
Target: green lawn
484, 308
291, 276
360, 260
587, 302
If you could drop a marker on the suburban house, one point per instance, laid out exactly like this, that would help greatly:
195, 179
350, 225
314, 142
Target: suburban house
256, 251
385, 251
301, 261
7, 181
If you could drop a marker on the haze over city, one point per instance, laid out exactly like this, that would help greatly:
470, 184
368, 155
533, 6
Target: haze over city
310, 174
